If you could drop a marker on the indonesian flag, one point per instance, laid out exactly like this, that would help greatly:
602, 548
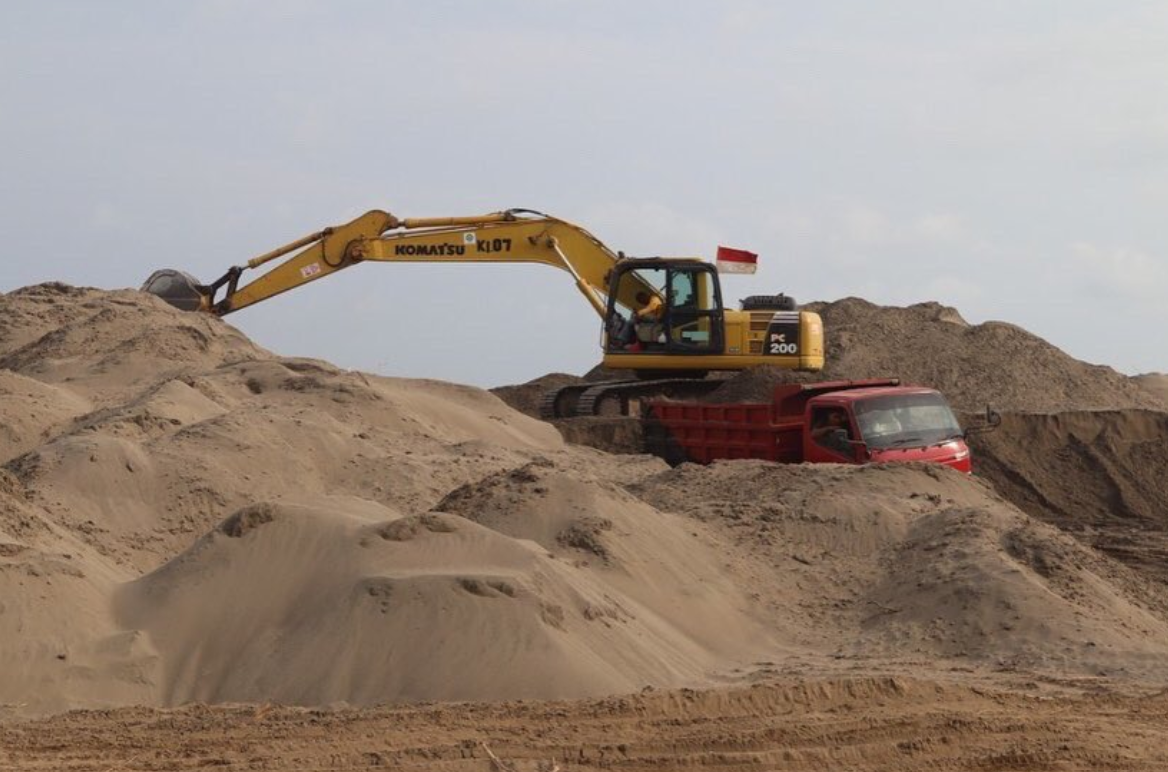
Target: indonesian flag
736, 260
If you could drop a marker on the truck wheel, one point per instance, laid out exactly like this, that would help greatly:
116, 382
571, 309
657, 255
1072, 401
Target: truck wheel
778, 302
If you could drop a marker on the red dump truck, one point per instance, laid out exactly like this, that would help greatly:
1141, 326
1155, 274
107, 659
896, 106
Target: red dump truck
839, 422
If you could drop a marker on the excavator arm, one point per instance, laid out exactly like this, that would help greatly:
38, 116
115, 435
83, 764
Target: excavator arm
513, 236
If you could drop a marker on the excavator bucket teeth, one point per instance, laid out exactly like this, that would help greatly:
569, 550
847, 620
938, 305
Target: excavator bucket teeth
179, 289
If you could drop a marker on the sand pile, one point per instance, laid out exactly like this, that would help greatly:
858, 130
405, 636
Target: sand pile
1100, 475
131, 429
184, 516
886, 561
106, 345
528, 591
929, 344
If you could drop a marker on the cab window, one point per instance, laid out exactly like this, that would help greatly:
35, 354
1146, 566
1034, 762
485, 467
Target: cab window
695, 314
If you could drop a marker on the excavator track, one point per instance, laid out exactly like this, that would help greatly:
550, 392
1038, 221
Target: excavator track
561, 402
617, 398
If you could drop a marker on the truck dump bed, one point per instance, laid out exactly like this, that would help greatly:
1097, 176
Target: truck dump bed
705, 432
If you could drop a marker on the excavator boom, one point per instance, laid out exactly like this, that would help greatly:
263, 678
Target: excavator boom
513, 236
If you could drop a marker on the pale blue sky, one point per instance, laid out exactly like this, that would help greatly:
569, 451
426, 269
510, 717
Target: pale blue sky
1010, 159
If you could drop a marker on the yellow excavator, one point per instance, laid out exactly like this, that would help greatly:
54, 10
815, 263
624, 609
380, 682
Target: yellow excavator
663, 317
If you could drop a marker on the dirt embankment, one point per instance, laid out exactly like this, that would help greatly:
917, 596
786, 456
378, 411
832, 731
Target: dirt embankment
1102, 475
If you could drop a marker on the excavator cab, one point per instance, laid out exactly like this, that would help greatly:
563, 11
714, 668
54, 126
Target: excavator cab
662, 306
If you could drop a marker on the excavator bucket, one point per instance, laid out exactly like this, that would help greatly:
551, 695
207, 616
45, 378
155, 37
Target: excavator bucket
180, 289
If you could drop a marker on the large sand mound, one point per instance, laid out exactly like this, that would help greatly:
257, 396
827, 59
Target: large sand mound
108, 344
313, 605
125, 437
184, 516
994, 363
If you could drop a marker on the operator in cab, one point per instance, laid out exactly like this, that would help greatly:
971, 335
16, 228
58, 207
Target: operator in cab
651, 310
832, 430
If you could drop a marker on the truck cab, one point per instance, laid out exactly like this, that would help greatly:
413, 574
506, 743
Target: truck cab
883, 424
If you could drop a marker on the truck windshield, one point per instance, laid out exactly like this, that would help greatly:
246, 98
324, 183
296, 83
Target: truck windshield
905, 420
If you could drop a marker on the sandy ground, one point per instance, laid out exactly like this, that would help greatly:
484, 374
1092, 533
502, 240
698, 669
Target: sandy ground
195, 532
804, 723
